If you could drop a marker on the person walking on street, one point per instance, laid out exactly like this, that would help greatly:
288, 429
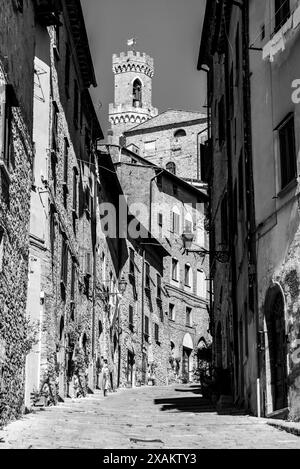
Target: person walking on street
105, 378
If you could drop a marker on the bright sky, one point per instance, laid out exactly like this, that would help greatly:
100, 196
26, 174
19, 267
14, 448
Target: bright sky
167, 30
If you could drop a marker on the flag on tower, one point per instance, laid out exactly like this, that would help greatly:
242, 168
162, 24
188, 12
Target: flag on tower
131, 42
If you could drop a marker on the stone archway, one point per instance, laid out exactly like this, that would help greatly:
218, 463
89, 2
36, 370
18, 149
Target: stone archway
276, 364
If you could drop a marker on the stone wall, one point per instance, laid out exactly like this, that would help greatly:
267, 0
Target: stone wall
16, 338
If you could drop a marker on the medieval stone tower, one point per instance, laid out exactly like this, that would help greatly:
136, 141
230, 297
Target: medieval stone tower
133, 73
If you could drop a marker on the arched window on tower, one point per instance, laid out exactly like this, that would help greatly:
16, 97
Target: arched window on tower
137, 93
171, 167
180, 133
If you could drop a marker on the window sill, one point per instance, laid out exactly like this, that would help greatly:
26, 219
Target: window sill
288, 188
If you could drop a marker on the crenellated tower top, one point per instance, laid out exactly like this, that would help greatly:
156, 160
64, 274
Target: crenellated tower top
132, 105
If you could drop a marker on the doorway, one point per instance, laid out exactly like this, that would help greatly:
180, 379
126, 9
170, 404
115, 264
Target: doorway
276, 350
186, 364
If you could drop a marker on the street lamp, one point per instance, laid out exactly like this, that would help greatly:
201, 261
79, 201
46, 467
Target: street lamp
188, 238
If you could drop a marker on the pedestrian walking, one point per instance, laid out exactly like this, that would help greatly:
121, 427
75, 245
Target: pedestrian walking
105, 378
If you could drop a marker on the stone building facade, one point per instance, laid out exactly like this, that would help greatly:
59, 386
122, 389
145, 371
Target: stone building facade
254, 124
16, 161
176, 299
173, 141
61, 293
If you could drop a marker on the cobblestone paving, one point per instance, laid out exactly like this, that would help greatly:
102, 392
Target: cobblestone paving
173, 417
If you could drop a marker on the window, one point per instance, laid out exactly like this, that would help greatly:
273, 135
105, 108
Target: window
137, 93
175, 221
156, 333
150, 148
131, 263
64, 261
76, 104
201, 284
175, 270
88, 264
180, 133
288, 161
147, 276
146, 332
221, 119
171, 167
158, 294
188, 224
224, 220
160, 220
282, 12
171, 312
189, 317
130, 318
187, 275
241, 182
67, 70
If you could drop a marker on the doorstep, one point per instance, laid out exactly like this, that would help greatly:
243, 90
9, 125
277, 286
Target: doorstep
289, 427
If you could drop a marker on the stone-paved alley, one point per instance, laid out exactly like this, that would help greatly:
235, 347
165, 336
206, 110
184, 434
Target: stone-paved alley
151, 417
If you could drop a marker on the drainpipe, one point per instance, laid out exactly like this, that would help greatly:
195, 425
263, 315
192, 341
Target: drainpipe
151, 198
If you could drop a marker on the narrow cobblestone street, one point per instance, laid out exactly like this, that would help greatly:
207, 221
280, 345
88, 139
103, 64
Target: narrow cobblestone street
171, 417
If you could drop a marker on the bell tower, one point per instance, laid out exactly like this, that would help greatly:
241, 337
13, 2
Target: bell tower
133, 72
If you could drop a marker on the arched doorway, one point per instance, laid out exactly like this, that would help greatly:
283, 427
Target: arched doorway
276, 348
187, 357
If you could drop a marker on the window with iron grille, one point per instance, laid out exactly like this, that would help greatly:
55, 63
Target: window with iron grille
288, 160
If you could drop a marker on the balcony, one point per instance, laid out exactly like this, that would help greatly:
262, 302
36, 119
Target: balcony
47, 12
